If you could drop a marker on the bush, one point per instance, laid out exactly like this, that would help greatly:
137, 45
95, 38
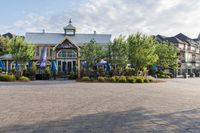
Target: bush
140, 79
122, 79
101, 79
85, 79
131, 79
72, 75
23, 78
150, 79
112, 79
47, 70
116, 78
146, 80
0, 70
4, 77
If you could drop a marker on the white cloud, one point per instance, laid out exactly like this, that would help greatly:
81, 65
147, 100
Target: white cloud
121, 17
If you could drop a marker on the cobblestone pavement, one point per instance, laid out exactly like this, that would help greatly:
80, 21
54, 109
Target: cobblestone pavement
70, 107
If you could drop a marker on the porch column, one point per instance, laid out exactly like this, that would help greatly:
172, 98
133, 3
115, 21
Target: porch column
78, 62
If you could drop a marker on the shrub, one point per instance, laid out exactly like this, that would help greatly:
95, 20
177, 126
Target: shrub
72, 75
4, 77
116, 78
47, 70
131, 79
150, 79
122, 79
112, 79
23, 78
0, 70
101, 79
146, 80
85, 79
140, 79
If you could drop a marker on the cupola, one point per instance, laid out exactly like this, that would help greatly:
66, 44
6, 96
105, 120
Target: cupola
70, 30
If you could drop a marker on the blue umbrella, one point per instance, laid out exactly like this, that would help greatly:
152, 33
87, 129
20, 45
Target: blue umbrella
84, 64
154, 67
2, 65
107, 67
101, 63
53, 66
16, 66
29, 64
43, 58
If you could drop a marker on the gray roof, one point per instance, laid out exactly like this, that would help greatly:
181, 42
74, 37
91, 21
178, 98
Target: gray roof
180, 38
56, 38
186, 39
70, 26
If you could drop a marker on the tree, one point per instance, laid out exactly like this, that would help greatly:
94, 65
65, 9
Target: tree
141, 51
92, 53
21, 51
4, 45
119, 52
167, 54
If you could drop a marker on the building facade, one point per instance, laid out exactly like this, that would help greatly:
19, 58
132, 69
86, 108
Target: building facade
64, 47
189, 56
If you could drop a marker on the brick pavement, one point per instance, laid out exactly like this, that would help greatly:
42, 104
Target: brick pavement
67, 106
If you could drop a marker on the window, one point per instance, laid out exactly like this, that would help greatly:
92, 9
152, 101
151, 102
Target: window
68, 53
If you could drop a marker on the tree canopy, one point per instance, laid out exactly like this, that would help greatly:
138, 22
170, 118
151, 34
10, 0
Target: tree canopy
21, 50
118, 51
4, 45
141, 50
92, 53
167, 54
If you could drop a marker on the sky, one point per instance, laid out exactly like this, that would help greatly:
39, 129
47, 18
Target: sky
152, 17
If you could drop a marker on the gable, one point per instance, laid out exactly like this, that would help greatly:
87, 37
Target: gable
66, 44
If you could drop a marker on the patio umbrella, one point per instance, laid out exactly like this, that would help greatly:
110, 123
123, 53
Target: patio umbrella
2, 65
53, 66
107, 67
43, 58
29, 64
16, 66
101, 63
84, 64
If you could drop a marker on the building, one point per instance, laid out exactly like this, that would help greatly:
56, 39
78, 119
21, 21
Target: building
64, 47
189, 58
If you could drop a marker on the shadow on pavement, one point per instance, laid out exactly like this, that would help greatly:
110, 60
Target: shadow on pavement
137, 120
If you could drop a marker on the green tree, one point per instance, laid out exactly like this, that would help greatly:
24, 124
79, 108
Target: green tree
4, 45
22, 51
92, 53
167, 54
141, 51
119, 52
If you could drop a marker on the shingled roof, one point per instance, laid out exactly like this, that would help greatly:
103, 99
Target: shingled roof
179, 38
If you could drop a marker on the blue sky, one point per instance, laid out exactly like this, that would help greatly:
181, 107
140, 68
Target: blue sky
105, 16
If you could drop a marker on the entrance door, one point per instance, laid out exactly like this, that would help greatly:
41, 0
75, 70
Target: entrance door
69, 67
64, 66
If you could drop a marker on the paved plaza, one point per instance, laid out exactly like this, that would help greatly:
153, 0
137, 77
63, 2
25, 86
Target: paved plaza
71, 107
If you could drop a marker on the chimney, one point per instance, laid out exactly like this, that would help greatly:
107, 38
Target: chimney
95, 32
